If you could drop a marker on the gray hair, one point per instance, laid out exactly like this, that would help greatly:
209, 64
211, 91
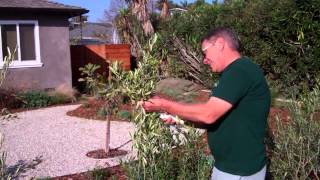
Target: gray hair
227, 34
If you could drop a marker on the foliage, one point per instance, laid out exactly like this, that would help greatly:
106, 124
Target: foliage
60, 98
124, 114
194, 163
5, 174
85, 105
99, 173
296, 151
102, 112
152, 138
9, 100
93, 80
281, 36
37, 99
34, 99
6, 62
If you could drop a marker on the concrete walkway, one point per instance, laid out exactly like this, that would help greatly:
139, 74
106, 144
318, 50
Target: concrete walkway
48, 143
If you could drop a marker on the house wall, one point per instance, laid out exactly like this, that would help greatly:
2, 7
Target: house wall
54, 52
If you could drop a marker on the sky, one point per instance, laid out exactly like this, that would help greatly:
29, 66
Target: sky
97, 7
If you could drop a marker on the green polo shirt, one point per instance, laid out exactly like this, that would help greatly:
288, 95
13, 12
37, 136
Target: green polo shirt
236, 139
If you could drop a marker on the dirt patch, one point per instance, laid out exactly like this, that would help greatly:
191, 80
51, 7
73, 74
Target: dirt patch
115, 172
88, 110
101, 153
93, 109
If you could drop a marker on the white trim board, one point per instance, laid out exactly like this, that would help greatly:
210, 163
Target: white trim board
25, 63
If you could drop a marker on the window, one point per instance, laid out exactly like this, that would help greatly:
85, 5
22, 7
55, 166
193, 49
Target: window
24, 37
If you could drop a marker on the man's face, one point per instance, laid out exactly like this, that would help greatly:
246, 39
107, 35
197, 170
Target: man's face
212, 55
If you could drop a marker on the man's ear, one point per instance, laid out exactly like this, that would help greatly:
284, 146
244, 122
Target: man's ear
220, 43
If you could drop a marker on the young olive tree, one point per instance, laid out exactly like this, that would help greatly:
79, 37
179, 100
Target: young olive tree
4, 174
152, 139
6, 62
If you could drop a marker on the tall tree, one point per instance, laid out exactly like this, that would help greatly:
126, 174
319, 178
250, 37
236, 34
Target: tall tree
114, 9
140, 10
164, 14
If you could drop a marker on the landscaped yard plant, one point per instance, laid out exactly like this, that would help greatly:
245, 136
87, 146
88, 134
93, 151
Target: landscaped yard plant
156, 158
38, 99
281, 36
5, 174
93, 80
296, 151
6, 62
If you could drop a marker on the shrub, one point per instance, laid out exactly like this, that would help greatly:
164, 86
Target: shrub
124, 114
99, 173
5, 172
85, 105
35, 99
194, 163
281, 36
59, 98
296, 150
93, 80
9, 99
64, 94
102, 112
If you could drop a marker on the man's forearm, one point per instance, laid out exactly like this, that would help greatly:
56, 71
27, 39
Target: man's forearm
198, 113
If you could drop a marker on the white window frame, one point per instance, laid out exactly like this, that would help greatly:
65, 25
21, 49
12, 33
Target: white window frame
25, 63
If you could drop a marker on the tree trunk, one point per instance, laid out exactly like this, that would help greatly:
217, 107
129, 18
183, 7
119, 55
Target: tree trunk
108, 134
139, 8
164, 10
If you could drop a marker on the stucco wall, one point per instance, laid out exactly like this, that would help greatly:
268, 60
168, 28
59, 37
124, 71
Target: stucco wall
54, 53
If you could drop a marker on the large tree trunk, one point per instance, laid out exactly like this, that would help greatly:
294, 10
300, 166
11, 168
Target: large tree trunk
140, 10
128, 36
164, 10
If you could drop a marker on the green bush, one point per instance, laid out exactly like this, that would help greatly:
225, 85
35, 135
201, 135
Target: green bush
281, 36
9, 99
93, 80
124, 114
99, 173
59, 98
192, 162
5, 172
35, 99
102, 112
296, 150
38, 99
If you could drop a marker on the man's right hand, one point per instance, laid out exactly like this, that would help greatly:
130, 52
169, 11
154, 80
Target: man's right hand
154, 104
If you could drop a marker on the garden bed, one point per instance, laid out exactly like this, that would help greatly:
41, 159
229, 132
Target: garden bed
92, 109
115, 172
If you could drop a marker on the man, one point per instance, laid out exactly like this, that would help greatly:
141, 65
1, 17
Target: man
236, 113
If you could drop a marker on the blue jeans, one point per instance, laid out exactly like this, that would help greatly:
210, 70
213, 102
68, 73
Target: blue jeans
220, 175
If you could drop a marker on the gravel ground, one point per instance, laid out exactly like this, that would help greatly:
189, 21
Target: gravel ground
48, 143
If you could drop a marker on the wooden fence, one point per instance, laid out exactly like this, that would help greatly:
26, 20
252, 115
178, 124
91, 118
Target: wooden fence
102, 55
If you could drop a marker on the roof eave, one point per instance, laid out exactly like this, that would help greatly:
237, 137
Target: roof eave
65, 11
